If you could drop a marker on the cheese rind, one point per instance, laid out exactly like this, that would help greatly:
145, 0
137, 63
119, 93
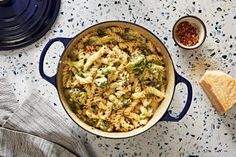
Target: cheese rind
220, 89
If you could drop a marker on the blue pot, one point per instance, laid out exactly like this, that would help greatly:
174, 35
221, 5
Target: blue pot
162, 112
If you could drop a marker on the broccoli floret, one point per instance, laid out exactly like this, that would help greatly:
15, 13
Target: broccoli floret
144, 49
117, 103
104, 125
127, 95
101, 32
155, 69
83, 97
116, 63
77, 95
94, 106
129, 34
107, 70
137, 64
101, 82
96, 41
78, 64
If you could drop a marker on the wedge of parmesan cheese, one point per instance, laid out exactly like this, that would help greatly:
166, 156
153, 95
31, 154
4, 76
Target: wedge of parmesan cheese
220, 89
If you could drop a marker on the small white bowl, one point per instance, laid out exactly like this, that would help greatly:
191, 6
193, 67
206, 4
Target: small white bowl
195, 22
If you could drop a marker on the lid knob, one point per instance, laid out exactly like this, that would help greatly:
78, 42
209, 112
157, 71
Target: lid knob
3, 2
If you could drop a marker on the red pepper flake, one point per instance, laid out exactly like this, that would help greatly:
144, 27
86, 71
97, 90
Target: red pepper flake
187, 34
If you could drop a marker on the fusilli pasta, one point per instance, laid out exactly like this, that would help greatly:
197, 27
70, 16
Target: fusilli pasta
114, 79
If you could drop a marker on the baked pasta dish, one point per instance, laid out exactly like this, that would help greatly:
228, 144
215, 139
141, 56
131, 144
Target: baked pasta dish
114, 79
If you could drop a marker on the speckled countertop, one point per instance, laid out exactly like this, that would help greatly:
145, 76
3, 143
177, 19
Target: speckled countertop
202, 132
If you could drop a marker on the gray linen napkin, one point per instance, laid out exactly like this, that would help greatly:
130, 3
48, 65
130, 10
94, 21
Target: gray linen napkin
39, 118
8, 102
13, 144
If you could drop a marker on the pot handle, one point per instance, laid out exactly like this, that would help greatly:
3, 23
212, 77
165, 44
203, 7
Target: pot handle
167, 116
50, 79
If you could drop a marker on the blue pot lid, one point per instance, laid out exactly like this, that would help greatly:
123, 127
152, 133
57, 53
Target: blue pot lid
23, 22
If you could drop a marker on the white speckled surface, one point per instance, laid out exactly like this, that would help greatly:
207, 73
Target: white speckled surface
202, 132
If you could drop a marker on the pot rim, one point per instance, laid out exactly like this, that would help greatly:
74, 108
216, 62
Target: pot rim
171, 61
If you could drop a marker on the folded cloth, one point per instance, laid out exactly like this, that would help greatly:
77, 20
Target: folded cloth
39, 118
13, 143
8, 101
